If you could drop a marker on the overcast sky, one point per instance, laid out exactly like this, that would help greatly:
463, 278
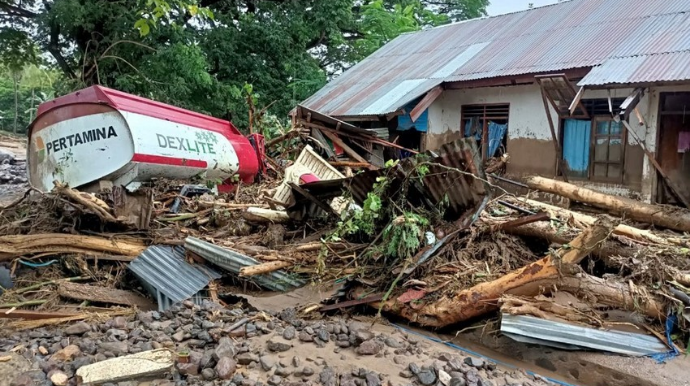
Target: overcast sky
499, 7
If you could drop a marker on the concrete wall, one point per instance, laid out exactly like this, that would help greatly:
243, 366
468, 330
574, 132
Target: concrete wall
529, 142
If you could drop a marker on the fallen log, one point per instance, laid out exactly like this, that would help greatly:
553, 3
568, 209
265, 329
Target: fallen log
21, 245
10, 313
671, 218
483, 297
103, 295
261, 269
614, 294
262, 216
620, 229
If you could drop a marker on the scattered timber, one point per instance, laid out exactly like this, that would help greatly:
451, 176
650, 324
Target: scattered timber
671, 218
261, 269
103, 295
526, 281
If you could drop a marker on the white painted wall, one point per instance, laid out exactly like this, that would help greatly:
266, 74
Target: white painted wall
528, 118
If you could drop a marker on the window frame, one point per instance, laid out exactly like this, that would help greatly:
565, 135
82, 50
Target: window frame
592, 156
485, 121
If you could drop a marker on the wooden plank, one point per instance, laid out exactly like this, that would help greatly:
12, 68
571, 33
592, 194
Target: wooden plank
9, 313
350, 152
557, 146
103, 295
325, 207
424, 104
576, 100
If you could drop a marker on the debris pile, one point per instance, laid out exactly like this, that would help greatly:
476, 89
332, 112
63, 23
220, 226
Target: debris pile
432, 237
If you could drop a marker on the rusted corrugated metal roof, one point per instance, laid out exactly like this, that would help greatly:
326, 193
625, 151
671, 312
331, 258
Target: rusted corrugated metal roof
640, 69
455, 179
567, 35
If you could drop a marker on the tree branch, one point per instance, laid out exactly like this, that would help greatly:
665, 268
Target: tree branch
16, 11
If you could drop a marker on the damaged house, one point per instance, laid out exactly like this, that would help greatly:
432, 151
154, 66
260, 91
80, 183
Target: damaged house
595, 92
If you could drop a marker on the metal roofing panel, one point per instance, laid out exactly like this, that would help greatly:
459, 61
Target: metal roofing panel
571, 34
547, 332
165, 273
233, 261
640, 69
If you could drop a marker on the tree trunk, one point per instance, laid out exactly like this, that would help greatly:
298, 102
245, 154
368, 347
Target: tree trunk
672, 218
263, 268
15, 81
526, 281
21, 245
101, 294
621, 229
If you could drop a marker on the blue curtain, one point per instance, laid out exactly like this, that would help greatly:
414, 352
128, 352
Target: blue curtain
576, 135
496, 133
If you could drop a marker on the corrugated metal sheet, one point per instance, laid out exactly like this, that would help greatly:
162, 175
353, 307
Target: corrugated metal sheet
164, 272
233, 261
570, 336
567, 35
667, 67
458, 190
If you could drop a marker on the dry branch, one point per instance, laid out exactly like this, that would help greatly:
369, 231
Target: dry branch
527, 281
676, 218
22, 245
95, 205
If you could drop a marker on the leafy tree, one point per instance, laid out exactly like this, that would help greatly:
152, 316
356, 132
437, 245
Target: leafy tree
200, 54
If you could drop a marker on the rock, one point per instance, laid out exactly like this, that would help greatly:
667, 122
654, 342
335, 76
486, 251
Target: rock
283, 372
372, 379
399, 359
277, 346
80, 362
178, 336
207, 325
477, 363
392, 342
305, 336
188, 368
327, 377
43, 351
22, 380
472, 376
444, 377
362, 336
226, 367
323, 335
59, 378
457, 381
369, 347
78, 328
455, 364
307, 371
267, 363
247, 358
406, 374
66, 354
289, 333
207, 360
119, 322
208, 374
225, 348
296, 361
414, 368
275, 380
117, 348
426, 376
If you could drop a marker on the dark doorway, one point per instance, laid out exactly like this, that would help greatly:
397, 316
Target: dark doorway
673, 149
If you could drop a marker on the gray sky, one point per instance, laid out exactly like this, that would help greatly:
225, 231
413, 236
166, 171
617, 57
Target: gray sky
499, 7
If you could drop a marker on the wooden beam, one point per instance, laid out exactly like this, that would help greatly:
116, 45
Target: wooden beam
350, 152
424, 104
103, 295
559, 154
576, 100
33, 315
574, 74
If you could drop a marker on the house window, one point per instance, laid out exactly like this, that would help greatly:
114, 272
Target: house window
594, 148
488, 124
608, 149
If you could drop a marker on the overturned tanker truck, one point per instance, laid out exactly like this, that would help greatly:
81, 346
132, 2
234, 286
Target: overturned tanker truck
99, 134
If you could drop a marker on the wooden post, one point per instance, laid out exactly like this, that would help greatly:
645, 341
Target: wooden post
559, 154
